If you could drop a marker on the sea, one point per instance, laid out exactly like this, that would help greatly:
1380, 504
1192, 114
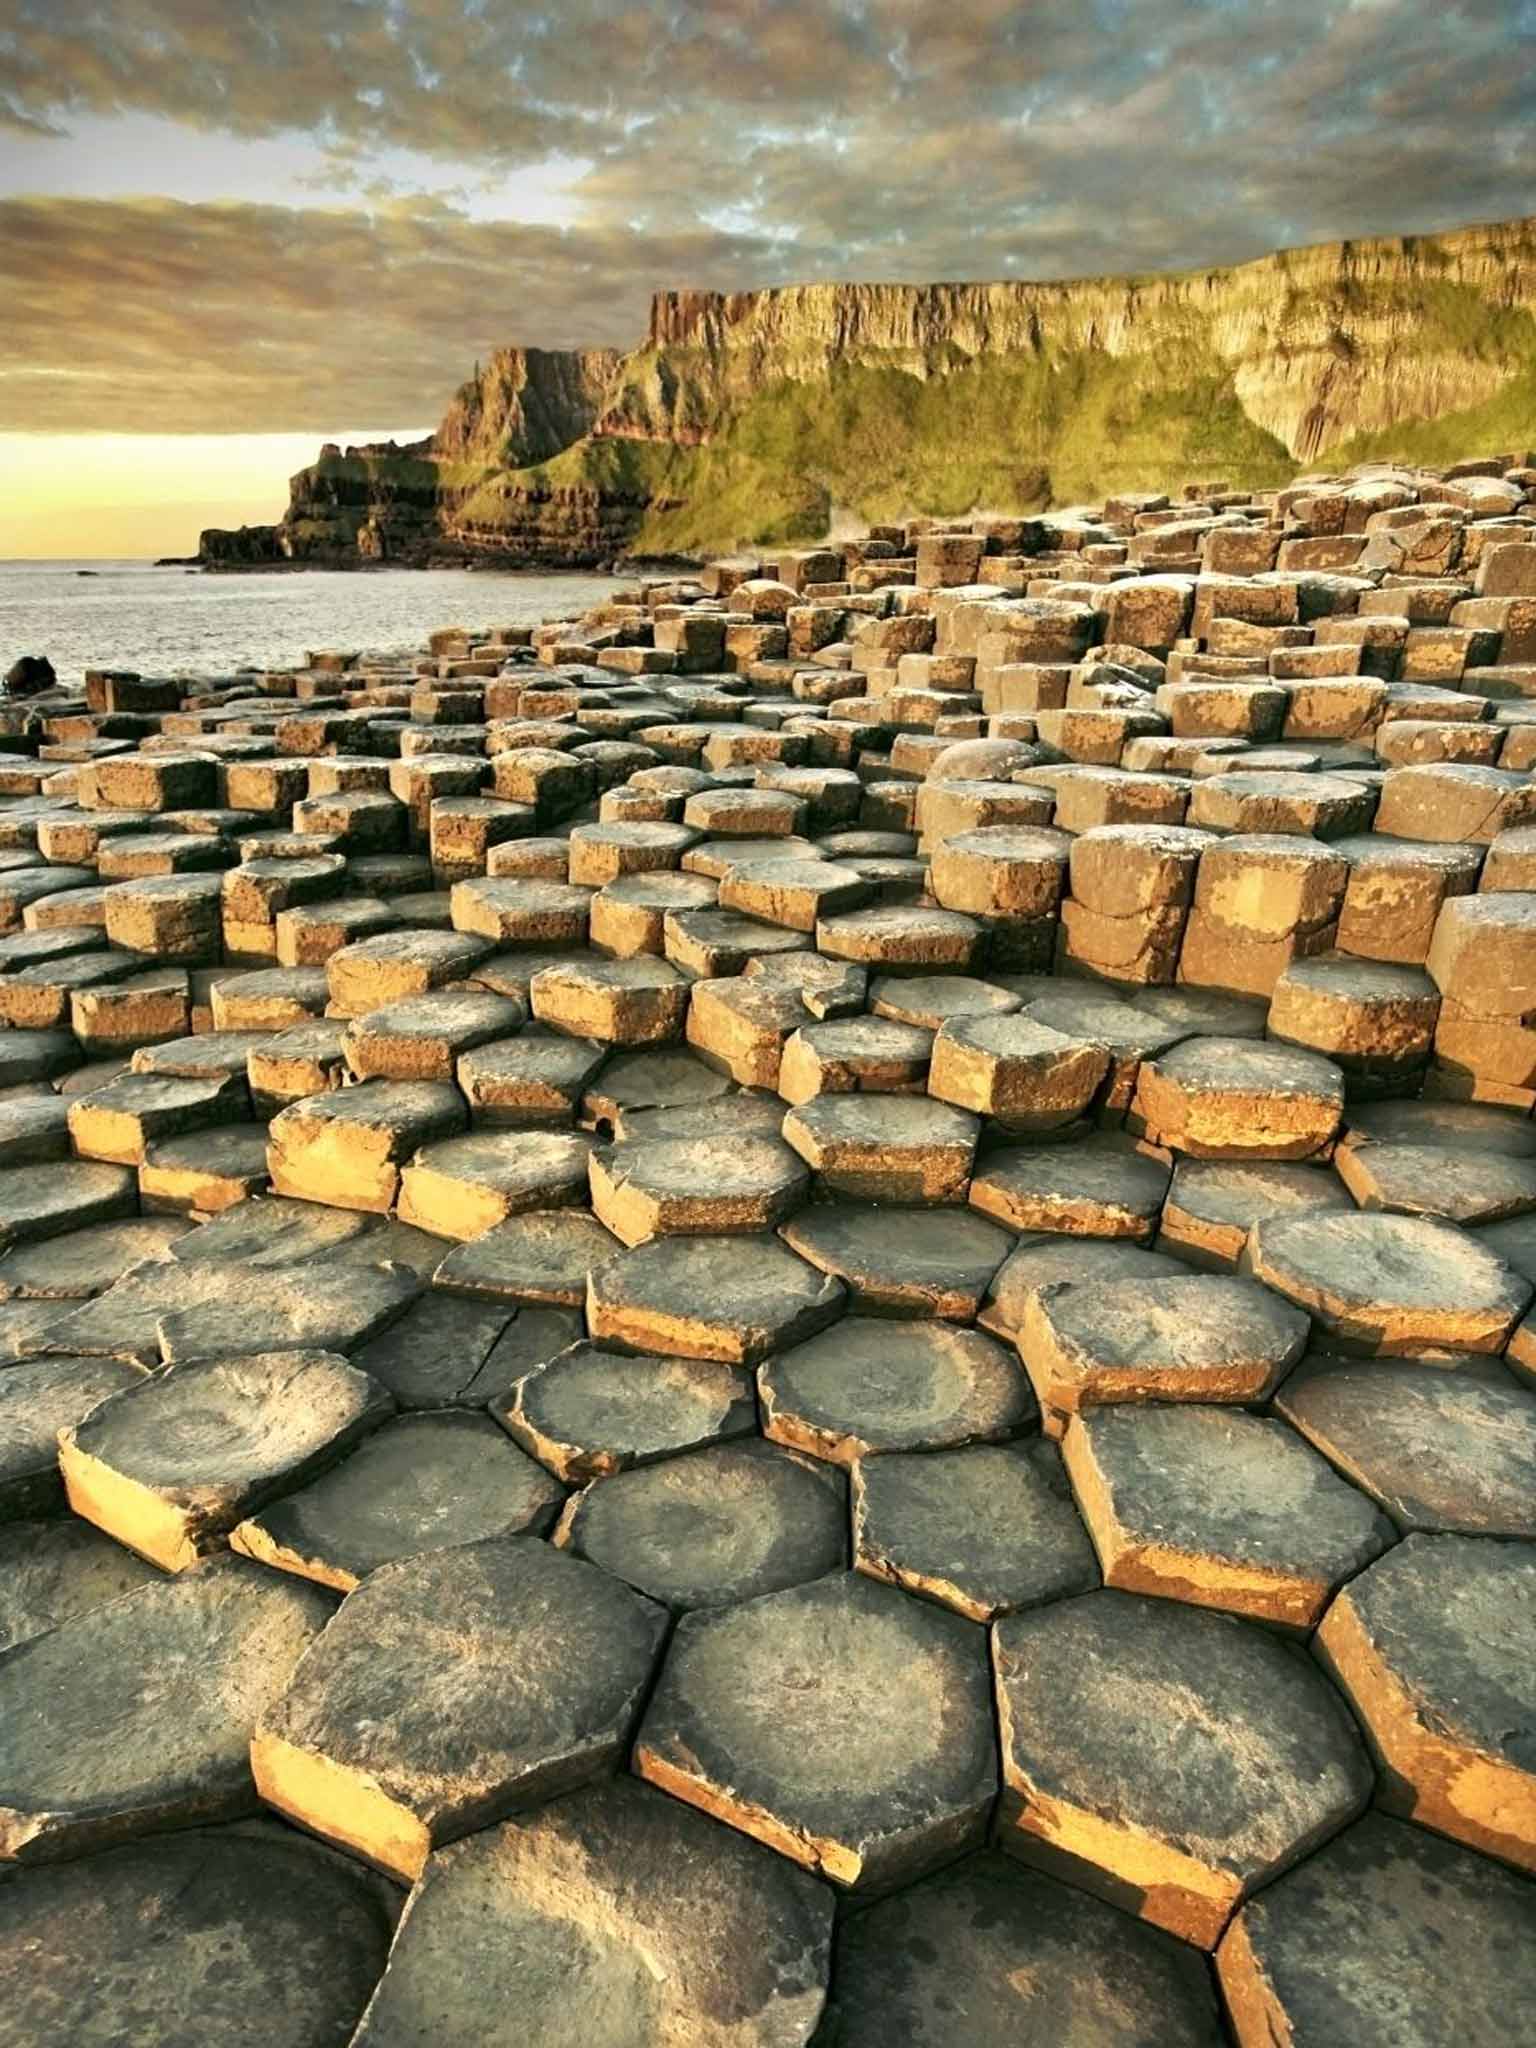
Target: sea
179, 621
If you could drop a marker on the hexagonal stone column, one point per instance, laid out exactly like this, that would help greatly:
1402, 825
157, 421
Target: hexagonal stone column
169, 1466
841, 1723
713, 1528
656, 1187
1396, 1285
986, 1530
1219, 1509
346, 1148
1204, 1337
422, 1482
885, 1148
1213, 1204
1444, 1452
732, 1299
1169, 1760
895, 1263
616, 1002
1436, 1647
588, 1413
452, 1688
869, 1386
138, 1717
615, 1901
1228, 1098
258, 1935
988, 1955
1386, 1938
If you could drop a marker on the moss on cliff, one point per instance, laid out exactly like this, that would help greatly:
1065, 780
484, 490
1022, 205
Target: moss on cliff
1004, 434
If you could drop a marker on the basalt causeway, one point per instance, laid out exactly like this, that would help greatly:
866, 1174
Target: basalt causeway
801, 1312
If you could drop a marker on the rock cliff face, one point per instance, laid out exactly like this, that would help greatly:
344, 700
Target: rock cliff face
756, 416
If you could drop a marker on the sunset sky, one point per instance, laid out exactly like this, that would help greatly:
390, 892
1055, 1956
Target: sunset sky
230, 229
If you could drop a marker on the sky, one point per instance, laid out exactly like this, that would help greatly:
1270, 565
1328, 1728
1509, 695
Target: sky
230, 229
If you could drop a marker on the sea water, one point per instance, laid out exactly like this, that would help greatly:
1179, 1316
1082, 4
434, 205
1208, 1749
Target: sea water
176, 621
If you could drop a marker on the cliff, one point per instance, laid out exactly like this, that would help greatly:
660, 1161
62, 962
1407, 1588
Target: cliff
761, 416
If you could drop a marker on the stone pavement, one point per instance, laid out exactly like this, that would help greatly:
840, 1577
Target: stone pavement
803, 1311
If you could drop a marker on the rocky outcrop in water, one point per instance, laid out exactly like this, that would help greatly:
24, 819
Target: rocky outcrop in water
754, 417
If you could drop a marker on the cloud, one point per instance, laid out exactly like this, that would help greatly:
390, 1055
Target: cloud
732, 143
153, 316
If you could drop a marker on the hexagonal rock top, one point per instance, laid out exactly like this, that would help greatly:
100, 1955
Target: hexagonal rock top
1220, 1509
869, 1386
137, 1717
616, 1914
1171, 1761
1386, 1938
255, 1935
1229, 1098
1210, 1337
885, 1148
422, 1482
841, 1723
450, 1688
715, 1527
170, 1465
895, 1263
1445, 1452
988, 1955
1022, 1073
590, 1412
669, 1187
986, 1529
1436, 1647
727, 1298
1394, 1285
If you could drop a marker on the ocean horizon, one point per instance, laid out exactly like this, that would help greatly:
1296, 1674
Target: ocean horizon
126, 613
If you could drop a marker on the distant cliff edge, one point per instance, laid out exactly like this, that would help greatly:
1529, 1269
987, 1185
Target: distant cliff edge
751, 417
